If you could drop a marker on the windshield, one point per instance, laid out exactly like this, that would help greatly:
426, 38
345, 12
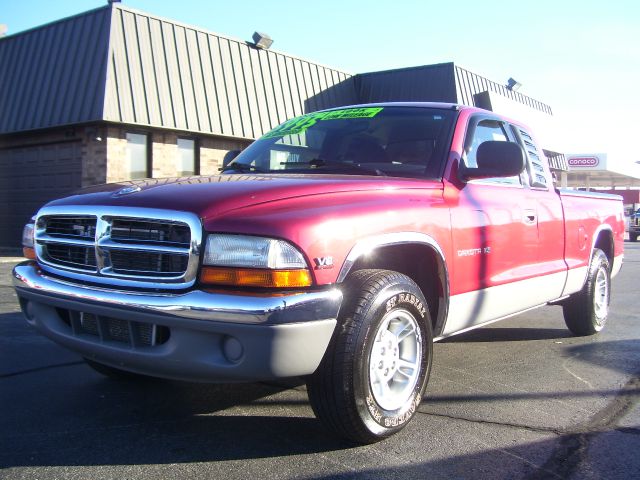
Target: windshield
391, 141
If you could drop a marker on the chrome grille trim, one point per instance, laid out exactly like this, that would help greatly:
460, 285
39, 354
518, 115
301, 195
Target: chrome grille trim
66, 241
170, 224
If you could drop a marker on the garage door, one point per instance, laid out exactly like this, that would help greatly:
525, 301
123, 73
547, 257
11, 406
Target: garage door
30, 176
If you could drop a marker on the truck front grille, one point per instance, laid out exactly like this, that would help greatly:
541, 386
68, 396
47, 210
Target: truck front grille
71, 227
120, 246
133, 230
114, 330
74, 256
148, 264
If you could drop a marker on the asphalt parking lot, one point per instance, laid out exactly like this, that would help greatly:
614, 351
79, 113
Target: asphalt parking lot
518, 399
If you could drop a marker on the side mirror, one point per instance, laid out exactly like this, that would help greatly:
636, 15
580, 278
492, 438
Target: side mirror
229, 156
496, 159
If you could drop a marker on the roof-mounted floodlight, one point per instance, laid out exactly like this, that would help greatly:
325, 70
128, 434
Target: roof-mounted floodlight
513, 84
262, 40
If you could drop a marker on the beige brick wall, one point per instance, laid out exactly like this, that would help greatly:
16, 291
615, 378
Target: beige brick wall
213, 150
117, 169
164, 147
164, 152
104, 151
94, 156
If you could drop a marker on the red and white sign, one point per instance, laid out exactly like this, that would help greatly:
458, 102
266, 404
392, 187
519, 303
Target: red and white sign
584, 161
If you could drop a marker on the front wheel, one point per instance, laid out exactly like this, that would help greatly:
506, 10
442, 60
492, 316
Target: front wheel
586, 311
374, 373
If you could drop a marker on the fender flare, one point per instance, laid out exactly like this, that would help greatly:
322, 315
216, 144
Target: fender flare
367, 245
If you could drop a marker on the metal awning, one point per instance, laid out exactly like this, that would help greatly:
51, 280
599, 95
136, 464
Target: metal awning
597, 179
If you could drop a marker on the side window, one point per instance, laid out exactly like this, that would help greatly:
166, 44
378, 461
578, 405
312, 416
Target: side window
487, 130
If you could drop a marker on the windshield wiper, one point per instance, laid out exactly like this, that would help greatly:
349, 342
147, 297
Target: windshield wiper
322, 163
242, 168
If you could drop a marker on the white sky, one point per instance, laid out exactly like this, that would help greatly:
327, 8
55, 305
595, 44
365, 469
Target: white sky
580, 57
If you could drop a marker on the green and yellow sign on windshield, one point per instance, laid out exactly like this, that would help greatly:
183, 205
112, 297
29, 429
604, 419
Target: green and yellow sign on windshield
300, 124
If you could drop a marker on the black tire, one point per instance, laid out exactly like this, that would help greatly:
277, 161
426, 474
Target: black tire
112, 372
586, 311
633, 237
347, 392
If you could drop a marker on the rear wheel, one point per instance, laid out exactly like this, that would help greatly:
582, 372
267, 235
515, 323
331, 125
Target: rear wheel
633, 237
374, 373
586, 312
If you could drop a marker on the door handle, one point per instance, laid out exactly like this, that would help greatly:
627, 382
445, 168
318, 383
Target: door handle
530, 217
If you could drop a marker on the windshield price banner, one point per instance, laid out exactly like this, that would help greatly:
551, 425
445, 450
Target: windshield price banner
300, 124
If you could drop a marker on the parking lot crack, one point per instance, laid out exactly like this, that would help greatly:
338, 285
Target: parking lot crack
574, 375
40, 369
573, 446
493, 422
629, 430
603, 420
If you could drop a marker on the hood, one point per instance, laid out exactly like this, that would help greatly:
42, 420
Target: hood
209, 196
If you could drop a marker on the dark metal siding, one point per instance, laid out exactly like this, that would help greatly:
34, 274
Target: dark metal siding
444, 82
54, 75
429, 83
468, 84
168, 75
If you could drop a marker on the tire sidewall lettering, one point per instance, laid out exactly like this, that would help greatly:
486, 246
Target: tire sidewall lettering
395, 420
407, 298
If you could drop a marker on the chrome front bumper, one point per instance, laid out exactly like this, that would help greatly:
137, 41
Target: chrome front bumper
214, 336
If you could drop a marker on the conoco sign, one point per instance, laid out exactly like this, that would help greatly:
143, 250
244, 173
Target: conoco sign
584, 162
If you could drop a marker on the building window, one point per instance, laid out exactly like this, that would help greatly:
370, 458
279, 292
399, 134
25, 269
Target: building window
137, 155
187, 158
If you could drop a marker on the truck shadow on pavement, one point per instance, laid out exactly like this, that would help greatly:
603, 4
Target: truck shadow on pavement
58, 411
72, 416
517, 334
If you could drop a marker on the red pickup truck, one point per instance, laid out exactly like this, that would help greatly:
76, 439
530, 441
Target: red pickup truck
339, 247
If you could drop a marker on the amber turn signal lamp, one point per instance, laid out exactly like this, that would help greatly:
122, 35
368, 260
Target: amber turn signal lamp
256, 277
29, 253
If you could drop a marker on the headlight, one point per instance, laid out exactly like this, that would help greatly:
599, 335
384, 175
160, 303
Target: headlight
27, 241
247, 251
27, 235
243, 260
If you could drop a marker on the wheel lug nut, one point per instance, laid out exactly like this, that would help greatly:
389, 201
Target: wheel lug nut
380, 365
